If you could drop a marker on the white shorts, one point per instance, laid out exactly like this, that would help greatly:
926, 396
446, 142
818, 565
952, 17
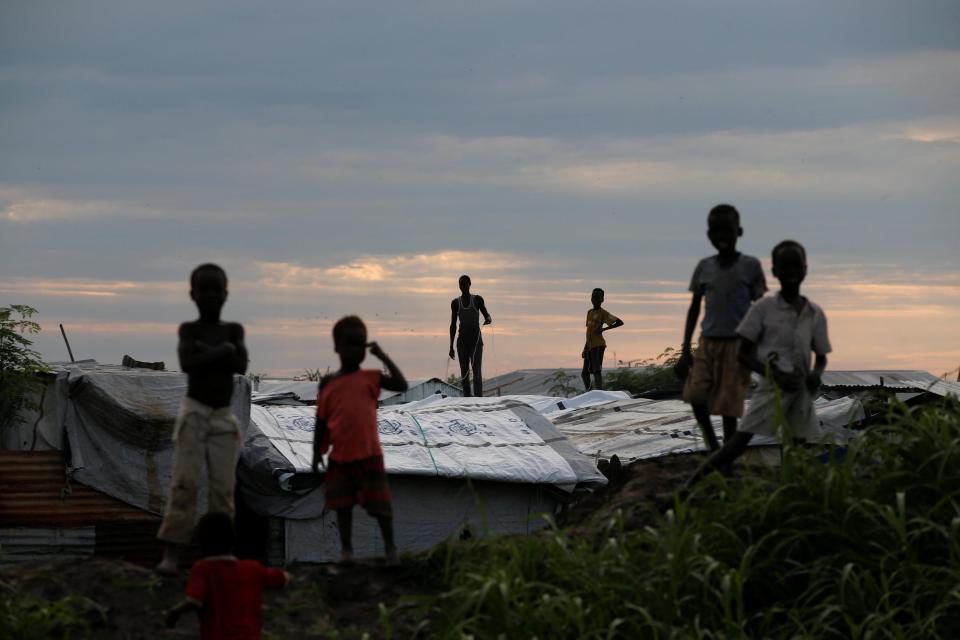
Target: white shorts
795, 406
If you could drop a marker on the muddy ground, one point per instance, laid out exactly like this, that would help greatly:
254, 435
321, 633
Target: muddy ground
127, 601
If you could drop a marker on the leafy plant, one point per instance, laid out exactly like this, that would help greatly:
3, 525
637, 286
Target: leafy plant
866, 545
562, 384
651, 375
25, 617
19, 364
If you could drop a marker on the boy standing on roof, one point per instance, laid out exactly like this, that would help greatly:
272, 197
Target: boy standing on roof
779, 332
211, 352
226, 591
595, 345
730, 281
347, 421
467, 309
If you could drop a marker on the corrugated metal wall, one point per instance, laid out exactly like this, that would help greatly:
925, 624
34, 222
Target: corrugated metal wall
41, 514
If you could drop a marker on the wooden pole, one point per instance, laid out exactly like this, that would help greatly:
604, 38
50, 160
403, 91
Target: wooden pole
69, 350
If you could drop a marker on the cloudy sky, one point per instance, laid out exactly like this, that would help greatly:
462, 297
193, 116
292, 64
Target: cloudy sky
357, 157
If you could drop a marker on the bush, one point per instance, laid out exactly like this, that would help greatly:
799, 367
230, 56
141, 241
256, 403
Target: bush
864, 546
19, 364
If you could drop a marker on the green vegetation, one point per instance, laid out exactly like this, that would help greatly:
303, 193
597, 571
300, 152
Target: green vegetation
866, 545
563, 384
653, 375
19, 364
26, 617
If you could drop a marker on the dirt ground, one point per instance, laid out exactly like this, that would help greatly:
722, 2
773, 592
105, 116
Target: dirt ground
126, 601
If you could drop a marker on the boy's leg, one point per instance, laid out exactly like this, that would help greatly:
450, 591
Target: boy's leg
464, 359
702, 414
697, 389
390, 547
222, 449
585, 373
730, 451
345, 526
477, 364
598, 380
181, 510
729, 431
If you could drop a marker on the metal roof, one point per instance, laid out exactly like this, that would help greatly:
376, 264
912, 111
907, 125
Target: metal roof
891, 379
527, 382
40, 515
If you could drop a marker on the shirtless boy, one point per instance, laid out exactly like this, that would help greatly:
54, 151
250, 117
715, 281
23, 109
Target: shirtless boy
211, 351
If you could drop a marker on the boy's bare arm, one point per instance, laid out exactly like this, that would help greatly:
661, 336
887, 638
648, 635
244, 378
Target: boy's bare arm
481, 305
693, 314
815, 376
453, 326
172, 615
195, 353
394, 380
240, 358
748, 357
616, 323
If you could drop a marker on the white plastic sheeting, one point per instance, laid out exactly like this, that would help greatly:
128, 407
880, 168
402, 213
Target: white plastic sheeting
426, 511
493, 439
117, 424
639, 428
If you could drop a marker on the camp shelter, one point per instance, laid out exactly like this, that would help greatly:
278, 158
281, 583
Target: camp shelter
487, 465
109, 428
640, 428
270, 390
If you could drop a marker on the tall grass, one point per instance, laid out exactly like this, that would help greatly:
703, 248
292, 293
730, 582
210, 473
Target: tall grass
864, 546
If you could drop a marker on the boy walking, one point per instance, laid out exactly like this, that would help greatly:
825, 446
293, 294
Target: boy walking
226, 591
467, 309
729, 281
595, 345
779, 332
347, 421
211, 352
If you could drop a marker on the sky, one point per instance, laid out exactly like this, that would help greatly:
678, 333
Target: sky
358, 157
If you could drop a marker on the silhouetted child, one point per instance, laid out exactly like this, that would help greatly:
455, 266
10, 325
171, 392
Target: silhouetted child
211, 352
779, 332
467, 309
347, 421
226, 591
730, 281
595, 345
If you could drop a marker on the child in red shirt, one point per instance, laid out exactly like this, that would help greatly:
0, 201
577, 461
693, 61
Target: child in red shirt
224, 589
347, 422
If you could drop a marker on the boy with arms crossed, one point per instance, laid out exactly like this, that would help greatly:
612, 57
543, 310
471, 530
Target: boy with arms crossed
347, 421
779, 331
211, 352
595, 345
730, 281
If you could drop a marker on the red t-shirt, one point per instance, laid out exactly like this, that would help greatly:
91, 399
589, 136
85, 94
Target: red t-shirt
229, 592
348, 404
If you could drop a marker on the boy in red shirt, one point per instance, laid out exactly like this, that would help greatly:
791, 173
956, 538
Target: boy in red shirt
225, 590
347, 421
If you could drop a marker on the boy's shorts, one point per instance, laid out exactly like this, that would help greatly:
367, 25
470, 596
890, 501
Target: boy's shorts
362, 482
796, 407
716, 378
593, 363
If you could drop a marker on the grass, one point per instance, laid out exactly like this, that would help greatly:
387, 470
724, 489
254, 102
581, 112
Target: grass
865, 546
26, 618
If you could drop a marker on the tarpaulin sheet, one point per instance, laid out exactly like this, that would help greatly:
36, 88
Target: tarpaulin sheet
495, 439
118, 425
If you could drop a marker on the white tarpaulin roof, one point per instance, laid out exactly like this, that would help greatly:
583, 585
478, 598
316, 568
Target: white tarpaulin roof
640, 428
494, 439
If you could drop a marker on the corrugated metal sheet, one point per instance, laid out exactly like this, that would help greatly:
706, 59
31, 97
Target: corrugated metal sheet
40, 517
34, 493
527, 382
892, 379
30, 543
